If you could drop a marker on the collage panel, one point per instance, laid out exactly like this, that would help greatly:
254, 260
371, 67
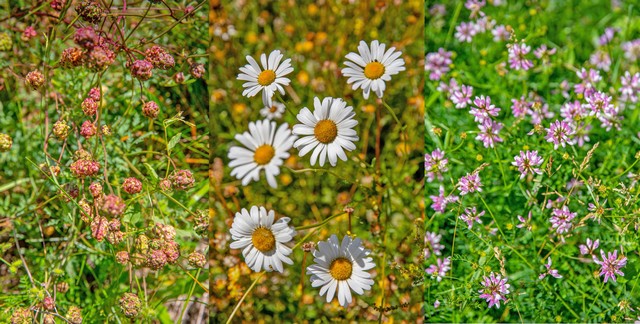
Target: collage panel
317, 172
531, 162
103, 161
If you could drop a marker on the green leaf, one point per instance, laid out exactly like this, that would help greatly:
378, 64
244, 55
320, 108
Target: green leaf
152, 172
173, 141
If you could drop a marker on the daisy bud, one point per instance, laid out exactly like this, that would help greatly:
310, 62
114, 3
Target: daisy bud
89, 107
5, 42
130, 305
132, 186
150, 109
197, 260
142, 70
113, 205
122, 257
34, 79
5, 142
88, 129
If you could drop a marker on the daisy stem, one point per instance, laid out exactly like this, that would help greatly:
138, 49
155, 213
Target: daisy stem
393, 114
300, 228
235, 309
304, 260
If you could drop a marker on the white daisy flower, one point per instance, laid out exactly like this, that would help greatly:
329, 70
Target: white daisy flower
269, 79
265, 149
372, 67
262, 240
274, 111
340, 268
328, 131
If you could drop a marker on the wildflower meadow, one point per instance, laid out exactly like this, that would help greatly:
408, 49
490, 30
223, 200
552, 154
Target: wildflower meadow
317, 174
532, 150
104, 155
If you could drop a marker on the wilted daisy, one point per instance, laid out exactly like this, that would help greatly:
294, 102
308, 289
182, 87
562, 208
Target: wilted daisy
274, 111
372, 67
269, 78
265, 149
340, 268
328, 131
261, 239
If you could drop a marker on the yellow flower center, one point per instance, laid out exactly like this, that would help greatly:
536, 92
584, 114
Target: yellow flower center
264, 154
266, 77
326, 131
374, 70
273, 109
340, 269
263, 239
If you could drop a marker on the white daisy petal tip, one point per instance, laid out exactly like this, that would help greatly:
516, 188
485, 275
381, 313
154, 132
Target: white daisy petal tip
327, 131
262, 242
266, 146
373, 66
343, 270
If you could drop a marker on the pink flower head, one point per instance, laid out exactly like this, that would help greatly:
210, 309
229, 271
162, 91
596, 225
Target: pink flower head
561, 219
470, 216
520, 107
525, 223
611, 265
462, 97
500, 33
495, 289
590, 247
434, 164
470, 183
552, 272
543, 52
560, 133
601, 60
29, 33
432, 244
439, 269
465, 32
572, 111
607, 37
517, 60
630, 87
441, 201
489, 133
484, 109
527, 163
588, 79
437, 63
631, 50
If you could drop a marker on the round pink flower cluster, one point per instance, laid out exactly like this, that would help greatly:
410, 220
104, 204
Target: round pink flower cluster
142, 70
132, 186
113, 205
182, 179
150, 109
159, 57
85, 168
